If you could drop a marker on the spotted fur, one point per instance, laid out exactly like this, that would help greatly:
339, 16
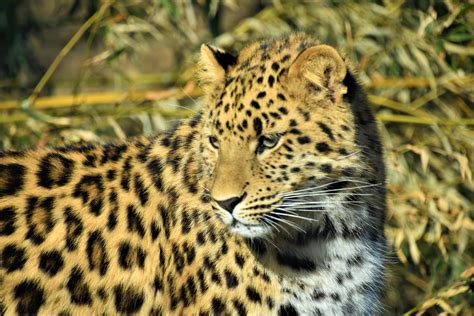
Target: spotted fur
269, 201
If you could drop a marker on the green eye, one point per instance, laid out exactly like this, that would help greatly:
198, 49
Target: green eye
214, 142
267, 142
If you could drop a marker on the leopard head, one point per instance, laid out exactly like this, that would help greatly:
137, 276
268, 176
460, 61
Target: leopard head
279, 135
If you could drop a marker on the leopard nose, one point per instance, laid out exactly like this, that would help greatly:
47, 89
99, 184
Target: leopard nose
231, 203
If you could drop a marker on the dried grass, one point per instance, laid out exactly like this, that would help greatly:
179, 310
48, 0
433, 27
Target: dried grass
416, 61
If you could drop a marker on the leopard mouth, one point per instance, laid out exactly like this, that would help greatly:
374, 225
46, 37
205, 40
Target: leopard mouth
238, 227
235, 222
249, 230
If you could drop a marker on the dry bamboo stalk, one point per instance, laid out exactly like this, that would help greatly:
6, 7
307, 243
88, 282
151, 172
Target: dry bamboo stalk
166, 113
397, 106
110, 97
406, 82
414, 82
422, 120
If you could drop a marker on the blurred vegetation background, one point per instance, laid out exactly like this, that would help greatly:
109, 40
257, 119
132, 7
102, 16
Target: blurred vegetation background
99, 70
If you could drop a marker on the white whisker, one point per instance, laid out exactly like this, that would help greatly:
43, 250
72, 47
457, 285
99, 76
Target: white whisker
305, 210
305, 194
295, 216
320, 203
271, 242
366, 185
268, 222
287, 223
316, 187
277, 224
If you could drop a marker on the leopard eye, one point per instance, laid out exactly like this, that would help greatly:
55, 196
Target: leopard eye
214, 142
267, 142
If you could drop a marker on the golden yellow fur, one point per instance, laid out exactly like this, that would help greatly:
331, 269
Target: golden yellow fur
197, 220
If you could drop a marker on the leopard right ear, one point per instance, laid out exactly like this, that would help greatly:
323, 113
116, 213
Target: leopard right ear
323, 67
214, 63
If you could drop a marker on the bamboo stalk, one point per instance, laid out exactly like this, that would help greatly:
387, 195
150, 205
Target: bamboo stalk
416, 116
166, 113
406, 82
422, 120
415, 82
397, 106
110, 97
75, 100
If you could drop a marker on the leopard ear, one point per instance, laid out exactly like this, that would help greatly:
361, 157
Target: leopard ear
214, 63
322, 67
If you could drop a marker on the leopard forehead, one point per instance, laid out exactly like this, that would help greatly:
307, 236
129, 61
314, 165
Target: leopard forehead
253, 94
248, 111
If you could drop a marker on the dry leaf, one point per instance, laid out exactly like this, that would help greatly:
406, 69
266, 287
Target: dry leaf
423, 153
468, 273
464, 166
414, 251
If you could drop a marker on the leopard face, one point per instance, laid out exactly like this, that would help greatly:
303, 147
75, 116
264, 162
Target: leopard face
279, 136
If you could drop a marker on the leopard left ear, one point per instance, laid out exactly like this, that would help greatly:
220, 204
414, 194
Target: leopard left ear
323, 67
215, 62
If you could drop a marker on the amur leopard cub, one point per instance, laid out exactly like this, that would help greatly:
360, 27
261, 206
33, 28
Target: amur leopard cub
271, 200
